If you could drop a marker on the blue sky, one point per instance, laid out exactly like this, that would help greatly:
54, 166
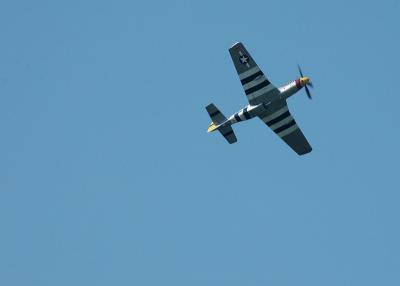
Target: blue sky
107, 174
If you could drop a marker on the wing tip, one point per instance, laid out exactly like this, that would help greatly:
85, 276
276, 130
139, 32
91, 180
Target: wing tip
236, 44
305, 151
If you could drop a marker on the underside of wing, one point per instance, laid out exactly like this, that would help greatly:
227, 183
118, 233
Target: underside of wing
257, 87
283, 124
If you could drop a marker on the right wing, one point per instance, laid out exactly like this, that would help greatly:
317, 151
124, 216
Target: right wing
283, 124
257, 87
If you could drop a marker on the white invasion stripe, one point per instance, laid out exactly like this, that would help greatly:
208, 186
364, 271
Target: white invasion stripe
288, 131
249, 72
281, 123
254, 82
262, 91
250, 97
241, 115
275, 114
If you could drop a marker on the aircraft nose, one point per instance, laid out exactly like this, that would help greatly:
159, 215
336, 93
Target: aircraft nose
304, 81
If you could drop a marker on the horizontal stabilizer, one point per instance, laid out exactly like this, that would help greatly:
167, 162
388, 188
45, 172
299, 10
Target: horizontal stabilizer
216, 116
228, 133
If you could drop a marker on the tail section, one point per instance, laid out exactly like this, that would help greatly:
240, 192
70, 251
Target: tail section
218, 120
228, 133
216, 116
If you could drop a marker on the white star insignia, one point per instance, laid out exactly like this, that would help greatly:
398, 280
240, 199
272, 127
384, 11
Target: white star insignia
244, 59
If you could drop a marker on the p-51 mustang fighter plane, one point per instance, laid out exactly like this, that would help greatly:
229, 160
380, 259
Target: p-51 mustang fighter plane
266, 102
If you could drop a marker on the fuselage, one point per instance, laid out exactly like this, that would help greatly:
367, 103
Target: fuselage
251, 111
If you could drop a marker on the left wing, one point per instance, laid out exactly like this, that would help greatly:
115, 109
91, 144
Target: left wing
257, 87
279, 119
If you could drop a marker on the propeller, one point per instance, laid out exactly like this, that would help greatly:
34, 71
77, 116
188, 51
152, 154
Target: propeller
309, 84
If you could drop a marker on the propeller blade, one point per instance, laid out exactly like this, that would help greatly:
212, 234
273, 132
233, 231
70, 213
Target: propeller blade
298, 66
309, 84
308, 92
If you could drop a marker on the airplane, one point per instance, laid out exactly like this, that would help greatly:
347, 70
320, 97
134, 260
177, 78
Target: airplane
265, 102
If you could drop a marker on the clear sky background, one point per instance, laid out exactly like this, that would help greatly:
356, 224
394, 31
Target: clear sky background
107, 173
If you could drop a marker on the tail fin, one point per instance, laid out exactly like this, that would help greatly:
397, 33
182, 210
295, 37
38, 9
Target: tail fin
218, 119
